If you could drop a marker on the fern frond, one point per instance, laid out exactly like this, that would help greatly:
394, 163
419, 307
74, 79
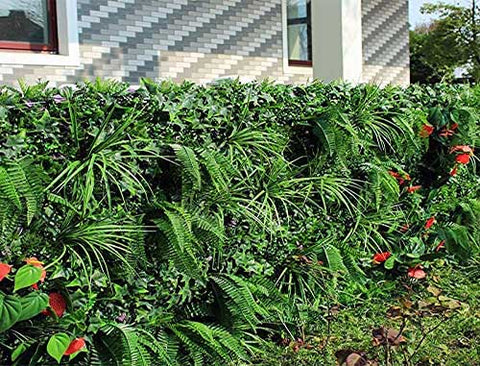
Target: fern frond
189, 162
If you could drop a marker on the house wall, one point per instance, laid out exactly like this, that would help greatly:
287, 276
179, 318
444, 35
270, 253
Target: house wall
202, 40
386, 55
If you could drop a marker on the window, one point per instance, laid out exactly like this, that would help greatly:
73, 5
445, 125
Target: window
28, 25
299, 32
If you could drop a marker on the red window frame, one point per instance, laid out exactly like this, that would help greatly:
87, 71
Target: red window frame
50, 47
304, 63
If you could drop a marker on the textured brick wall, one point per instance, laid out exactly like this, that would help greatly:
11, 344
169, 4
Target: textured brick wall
194, 39
202, 40
385, 41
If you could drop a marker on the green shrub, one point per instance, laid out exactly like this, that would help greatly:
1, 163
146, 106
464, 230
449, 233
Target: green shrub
184, 224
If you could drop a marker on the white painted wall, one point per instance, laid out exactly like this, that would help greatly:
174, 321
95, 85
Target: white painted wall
337, 40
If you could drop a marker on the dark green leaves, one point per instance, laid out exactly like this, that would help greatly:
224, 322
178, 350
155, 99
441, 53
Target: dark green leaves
14, 309
32, 305
10, 310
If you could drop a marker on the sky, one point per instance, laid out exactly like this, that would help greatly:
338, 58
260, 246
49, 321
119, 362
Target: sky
417, 18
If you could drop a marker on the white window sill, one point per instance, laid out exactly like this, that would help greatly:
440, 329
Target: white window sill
32, 58
297, 70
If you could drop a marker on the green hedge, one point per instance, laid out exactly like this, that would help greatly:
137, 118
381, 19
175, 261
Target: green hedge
182, 224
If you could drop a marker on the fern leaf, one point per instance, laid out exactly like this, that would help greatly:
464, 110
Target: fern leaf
189, 161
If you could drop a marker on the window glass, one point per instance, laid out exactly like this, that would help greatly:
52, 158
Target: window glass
298, 42
25, 21
297, 9
299, 31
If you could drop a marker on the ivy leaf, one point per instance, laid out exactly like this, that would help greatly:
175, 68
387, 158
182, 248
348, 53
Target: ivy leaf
10, 309
57, 345
32, 305
27, 276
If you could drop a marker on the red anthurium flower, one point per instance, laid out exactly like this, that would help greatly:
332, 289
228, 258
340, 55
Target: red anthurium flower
75, 346
454, 171
426, 131
4, 270
430, 222
413, 189
33, 261
57, 303
440, 246
461, 148
416, 272
381, 257
463, 158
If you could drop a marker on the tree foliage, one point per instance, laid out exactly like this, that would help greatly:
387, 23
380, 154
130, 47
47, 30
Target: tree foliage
448, 43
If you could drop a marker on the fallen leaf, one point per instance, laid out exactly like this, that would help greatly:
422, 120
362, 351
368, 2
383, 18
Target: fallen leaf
395, 312
434, 290
355, 360
407, 304
383, 335
348, 357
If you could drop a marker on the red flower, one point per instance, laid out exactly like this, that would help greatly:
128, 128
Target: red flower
4, 270
440, 246
400, 178
33, 261
394, 174
57, 304
381, 257
75, 346
430, 223
413, 189
454, 126
454, 171
461, 148
416, 272
463, 158
426, 131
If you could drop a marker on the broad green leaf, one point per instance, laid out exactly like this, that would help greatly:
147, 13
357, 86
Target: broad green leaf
390, 262
27, 276
57, 345
18, 351
10, 309
32, 305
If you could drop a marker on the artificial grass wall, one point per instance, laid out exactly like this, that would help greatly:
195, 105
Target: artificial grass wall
182, 224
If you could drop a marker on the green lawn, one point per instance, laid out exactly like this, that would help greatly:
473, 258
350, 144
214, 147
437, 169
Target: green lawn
440, 317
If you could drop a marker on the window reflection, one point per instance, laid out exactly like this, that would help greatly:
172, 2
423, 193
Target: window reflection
299, 30
24, 21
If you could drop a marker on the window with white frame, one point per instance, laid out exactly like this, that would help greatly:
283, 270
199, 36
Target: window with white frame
299, 32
